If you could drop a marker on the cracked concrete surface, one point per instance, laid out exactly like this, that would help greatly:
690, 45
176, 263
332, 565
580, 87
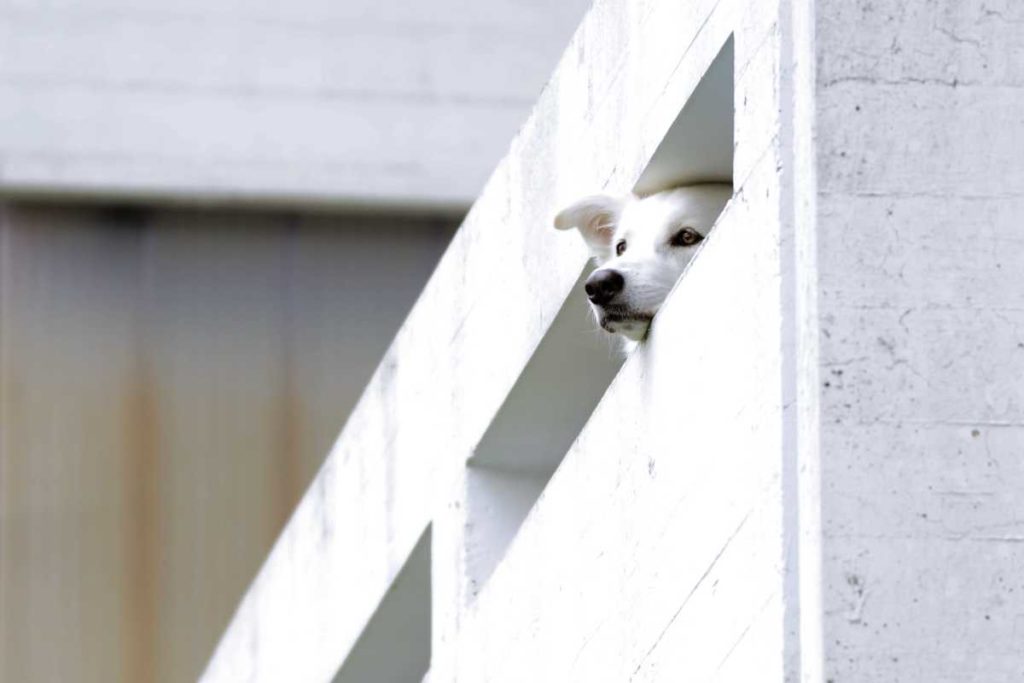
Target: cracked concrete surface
811, 470
921, 271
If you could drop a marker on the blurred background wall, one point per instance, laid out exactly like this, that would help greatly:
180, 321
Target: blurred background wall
213, 217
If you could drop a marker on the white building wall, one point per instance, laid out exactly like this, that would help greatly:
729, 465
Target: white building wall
807, 472
921, 305
655, 551
356, 102
651, 505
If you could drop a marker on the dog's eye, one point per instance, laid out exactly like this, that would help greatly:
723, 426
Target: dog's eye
687, 237
620, 248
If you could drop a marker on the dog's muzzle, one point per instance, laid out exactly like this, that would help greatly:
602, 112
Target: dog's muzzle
603, 286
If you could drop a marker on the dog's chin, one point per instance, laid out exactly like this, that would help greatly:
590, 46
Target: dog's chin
630, 324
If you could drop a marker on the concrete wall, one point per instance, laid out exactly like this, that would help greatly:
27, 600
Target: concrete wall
651, 504
360, 102
807, 472
920, 266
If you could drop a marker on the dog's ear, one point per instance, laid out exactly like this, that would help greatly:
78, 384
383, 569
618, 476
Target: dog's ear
595, 217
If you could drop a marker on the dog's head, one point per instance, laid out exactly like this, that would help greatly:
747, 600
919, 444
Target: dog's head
641, 247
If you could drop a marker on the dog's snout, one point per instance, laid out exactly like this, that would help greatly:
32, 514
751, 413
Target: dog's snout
603, 285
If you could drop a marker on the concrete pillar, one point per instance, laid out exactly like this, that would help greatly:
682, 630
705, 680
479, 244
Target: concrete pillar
917, 256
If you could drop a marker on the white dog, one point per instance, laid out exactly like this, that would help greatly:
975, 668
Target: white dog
641, 247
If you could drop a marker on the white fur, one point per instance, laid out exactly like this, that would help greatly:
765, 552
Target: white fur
650, 264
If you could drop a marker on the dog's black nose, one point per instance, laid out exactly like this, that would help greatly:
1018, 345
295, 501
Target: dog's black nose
603, 285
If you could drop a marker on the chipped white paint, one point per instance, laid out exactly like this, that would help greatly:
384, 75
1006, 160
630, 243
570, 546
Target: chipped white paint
810, 469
